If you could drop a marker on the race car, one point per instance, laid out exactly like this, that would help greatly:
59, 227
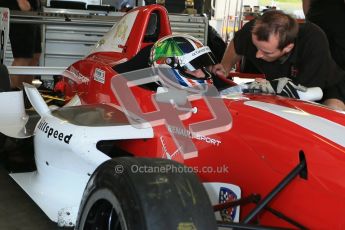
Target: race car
134, 148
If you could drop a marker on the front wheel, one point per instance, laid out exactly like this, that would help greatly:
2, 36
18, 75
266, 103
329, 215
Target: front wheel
144, 194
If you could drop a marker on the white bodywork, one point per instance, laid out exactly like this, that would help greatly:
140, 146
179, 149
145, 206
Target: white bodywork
65, 150
13, 118
66, 153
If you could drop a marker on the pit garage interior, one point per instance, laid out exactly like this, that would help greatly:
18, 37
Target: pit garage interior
69, 30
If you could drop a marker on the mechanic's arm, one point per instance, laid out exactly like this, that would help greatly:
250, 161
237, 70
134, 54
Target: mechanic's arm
24, 5
306, 6
230, 58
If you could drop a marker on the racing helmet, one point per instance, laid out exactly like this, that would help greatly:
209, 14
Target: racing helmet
183, 53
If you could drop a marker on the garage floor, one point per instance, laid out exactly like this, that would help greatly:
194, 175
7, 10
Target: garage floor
17, 210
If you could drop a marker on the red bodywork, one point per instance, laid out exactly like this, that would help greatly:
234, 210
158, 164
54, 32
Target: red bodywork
260, 149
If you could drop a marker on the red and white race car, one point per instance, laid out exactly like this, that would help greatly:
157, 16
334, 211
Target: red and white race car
260, 160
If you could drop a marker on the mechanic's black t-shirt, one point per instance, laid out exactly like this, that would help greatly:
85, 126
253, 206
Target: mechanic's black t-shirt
309, 64
333, 10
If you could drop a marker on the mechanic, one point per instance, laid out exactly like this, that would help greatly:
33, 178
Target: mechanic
330, 16
25, 40
281, 48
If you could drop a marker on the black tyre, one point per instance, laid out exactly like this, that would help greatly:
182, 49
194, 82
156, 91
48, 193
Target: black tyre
143, 194
2, 150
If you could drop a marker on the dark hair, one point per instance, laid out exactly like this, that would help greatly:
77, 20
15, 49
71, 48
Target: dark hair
277, 23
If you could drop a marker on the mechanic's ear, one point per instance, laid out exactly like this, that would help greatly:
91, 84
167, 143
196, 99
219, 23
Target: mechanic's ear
288, 48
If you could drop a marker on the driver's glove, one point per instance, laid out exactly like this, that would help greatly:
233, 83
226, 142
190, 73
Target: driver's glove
285, 87
261, 86
281, 86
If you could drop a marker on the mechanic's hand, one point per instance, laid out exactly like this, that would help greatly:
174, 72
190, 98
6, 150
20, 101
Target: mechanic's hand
285, 87
24, 5
261, 86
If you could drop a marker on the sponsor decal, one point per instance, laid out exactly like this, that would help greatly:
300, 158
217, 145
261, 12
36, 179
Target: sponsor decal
227, 195
187, 133
75, 75
54, 133
200, 51
99, 75
196, 53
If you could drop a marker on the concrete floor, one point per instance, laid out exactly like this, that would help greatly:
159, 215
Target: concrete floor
17, 210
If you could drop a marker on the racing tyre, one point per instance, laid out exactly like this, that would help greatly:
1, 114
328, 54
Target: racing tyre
144, 194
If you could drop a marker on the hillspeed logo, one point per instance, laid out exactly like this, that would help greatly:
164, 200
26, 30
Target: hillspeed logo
53, 133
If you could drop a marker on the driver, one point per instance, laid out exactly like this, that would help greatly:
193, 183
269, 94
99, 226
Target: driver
187, 57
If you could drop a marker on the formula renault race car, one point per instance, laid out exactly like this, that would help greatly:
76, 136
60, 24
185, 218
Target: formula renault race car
133, 149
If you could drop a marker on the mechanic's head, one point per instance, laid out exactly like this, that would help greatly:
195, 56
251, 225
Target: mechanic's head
274, 34
187, 57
